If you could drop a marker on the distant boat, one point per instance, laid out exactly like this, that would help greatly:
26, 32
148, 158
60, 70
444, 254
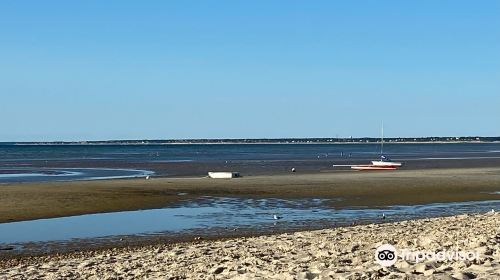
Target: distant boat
223, 175
383, 164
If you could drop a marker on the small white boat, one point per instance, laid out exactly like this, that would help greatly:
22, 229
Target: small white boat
223, 175
385, 162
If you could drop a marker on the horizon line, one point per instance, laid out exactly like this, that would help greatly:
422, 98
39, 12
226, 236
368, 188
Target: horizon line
273, 139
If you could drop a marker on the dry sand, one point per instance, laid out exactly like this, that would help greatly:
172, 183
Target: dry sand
45, 200
341, 253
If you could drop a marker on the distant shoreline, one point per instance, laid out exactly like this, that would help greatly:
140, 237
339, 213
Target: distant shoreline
238, 143
335, 141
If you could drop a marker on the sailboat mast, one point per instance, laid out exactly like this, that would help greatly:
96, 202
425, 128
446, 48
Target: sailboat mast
382, 141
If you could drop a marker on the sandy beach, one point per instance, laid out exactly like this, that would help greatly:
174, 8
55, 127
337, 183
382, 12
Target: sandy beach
44, 200
340, 253
334, 253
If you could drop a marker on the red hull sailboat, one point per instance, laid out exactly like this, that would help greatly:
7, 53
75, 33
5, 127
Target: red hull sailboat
383, 164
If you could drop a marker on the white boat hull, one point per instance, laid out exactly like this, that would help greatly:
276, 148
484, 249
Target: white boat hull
223, 175
378, 165
386, 163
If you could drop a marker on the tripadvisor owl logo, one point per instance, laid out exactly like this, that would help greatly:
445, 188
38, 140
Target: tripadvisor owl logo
386, 255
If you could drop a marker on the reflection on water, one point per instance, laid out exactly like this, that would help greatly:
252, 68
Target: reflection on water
16, 175
212, 212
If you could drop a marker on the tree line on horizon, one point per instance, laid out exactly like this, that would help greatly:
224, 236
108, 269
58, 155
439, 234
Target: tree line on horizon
277, 140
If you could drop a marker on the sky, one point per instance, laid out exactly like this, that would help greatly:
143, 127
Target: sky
100, 70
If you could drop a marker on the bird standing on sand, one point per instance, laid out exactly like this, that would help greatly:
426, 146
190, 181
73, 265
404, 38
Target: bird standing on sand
147, 177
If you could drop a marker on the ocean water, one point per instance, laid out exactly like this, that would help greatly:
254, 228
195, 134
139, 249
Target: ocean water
207, 152
29, 163
224, 213
185, 152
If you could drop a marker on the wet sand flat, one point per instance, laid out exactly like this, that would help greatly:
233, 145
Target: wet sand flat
43, 200
340, 253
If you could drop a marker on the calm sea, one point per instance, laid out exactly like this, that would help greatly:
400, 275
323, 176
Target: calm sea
201, 152
21, 163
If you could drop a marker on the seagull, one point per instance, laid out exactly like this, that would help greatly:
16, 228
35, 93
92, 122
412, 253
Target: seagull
276, 217
383, 216
147, 177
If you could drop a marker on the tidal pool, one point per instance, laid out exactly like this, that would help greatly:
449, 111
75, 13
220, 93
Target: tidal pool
208, 213
24, 175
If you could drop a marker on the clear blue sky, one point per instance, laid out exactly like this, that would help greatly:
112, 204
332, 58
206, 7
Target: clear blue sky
75, 70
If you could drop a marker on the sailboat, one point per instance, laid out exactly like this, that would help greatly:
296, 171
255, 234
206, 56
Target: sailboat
383, 164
